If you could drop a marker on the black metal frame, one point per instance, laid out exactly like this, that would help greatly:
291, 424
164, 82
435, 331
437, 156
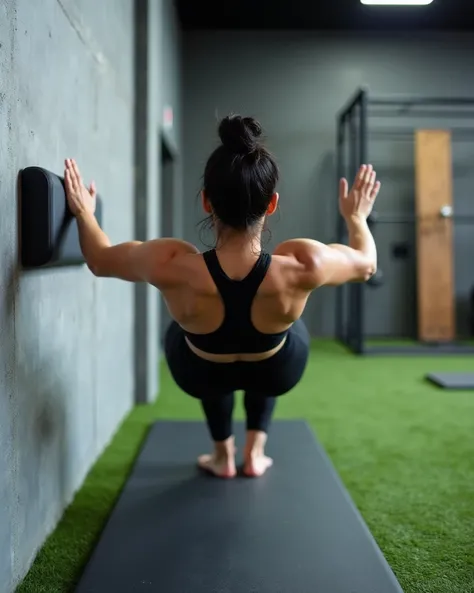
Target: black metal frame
353, 133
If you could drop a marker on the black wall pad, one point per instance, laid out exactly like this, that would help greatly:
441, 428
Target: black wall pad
48, 232
295, 530
452, 380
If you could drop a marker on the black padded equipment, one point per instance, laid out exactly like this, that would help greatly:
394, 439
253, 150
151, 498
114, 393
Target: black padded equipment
48, 232
452, 380
177, 530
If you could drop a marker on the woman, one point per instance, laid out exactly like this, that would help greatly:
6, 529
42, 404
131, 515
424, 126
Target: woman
236, 308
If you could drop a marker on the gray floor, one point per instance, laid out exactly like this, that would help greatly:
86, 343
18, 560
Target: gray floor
452, 380
175, 530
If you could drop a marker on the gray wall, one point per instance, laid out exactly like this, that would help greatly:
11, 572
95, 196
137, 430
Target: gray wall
157, 77
67, 338
295, 84
171, 163
171, 96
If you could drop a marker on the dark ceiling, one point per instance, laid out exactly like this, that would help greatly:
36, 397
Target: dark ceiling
324, 15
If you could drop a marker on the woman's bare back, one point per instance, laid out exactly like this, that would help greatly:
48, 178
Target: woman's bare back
195, 303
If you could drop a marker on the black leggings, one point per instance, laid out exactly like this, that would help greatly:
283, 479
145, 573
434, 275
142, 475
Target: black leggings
215, 383
219, 409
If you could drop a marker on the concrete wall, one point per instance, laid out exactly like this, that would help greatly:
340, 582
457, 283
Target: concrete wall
67, 370
295, 83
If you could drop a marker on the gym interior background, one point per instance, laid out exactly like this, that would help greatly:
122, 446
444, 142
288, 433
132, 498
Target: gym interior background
132, 90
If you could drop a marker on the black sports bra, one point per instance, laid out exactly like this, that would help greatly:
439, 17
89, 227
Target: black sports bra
236, 333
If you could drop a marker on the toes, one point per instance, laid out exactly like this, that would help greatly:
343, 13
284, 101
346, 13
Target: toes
204, 460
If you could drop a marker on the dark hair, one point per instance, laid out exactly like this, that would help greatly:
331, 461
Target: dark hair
241, 175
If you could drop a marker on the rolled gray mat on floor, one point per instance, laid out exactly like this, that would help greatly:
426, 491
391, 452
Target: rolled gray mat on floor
452, 380
177, 530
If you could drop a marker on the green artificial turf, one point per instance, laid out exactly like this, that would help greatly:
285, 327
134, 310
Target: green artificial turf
403, 448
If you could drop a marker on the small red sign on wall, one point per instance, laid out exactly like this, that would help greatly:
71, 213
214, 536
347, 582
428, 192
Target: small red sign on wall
168, 117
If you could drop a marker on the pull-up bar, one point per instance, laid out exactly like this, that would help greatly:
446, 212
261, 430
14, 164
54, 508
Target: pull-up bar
362, 95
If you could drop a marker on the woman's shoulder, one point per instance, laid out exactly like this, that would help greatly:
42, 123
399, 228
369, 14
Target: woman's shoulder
296, 261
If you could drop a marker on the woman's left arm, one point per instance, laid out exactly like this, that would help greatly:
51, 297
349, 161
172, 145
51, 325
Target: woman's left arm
134, 261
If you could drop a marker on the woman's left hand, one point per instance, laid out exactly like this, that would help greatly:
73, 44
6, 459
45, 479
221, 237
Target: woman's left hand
80, 199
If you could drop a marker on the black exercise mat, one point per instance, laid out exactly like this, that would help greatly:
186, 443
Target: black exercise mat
452, 380
176, 530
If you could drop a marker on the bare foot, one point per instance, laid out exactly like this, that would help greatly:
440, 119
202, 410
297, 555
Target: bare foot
222, 468
256, 462
254, 467
221, 463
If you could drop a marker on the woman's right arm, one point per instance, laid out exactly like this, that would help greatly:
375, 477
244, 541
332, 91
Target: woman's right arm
357, 262
336, 264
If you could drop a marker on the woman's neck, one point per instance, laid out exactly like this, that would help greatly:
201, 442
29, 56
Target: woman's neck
244, 243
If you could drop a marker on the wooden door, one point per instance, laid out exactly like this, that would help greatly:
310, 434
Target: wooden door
435, 266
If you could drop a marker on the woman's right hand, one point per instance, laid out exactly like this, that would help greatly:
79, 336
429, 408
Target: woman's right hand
359, 201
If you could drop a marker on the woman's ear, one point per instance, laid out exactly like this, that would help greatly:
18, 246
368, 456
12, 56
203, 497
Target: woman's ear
205, 203
273, 204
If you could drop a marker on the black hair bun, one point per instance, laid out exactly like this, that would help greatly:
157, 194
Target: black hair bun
240, 134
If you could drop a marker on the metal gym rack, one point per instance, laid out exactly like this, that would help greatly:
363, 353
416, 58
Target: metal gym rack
353, 133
